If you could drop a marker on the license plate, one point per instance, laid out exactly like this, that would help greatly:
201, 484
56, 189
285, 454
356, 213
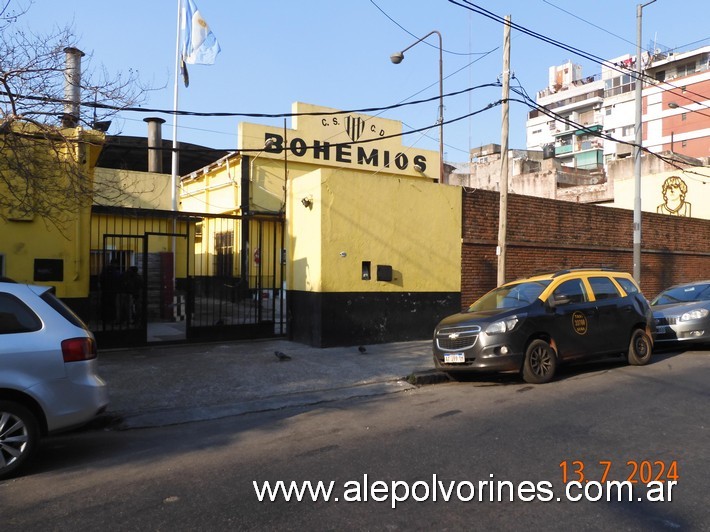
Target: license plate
454, 358
661, 329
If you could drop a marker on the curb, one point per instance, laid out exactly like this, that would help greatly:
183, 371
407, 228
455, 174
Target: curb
431, 376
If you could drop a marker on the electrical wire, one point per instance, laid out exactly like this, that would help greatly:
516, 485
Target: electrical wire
565, 120
405, 30
466, 4
109, 107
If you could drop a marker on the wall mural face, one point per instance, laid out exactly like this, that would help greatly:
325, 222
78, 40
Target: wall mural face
674, 191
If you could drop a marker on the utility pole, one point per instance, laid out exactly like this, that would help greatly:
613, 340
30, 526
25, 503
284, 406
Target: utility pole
638, 141
503, 209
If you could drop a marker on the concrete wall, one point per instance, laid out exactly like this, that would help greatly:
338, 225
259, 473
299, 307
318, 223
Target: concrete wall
654, 174
407, 224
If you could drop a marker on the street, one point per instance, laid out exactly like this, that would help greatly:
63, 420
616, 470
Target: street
604, 420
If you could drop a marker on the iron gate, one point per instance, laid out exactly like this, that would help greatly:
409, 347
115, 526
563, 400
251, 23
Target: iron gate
162, 276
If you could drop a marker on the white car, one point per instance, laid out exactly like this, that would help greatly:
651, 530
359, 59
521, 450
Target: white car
48, 377
682, 313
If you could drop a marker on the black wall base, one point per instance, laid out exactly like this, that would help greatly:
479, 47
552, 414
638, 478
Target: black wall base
357, 318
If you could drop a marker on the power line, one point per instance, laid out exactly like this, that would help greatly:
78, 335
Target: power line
577, 51
110, 107
405, 30
565, 120
590, 23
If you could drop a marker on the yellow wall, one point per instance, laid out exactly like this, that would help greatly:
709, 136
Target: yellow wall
697, 181
216, 188
133, 189
34, 238
367, 197
23, 242
360, 217
213, 189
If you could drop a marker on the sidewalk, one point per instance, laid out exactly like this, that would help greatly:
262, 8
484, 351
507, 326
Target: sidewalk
164, 385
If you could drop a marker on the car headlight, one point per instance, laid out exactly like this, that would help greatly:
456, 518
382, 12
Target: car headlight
505, 325
694, 314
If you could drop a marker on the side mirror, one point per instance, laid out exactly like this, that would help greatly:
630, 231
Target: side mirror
557, 300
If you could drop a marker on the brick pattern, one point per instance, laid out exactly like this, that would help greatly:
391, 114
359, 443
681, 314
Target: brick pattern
546, 235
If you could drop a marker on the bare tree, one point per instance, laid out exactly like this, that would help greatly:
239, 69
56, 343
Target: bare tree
44, 153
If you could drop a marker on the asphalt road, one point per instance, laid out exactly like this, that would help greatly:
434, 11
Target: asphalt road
199, 476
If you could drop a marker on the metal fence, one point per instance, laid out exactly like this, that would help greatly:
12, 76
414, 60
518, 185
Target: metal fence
160, 276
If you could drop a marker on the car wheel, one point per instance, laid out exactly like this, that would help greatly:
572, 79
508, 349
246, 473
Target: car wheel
19, 435
540, 363
639, 348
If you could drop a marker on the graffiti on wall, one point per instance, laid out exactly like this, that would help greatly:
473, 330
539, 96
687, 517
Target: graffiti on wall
674, 191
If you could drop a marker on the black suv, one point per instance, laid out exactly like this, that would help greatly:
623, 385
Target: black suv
534, 324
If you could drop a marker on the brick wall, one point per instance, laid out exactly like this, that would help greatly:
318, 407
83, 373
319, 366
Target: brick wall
548, 235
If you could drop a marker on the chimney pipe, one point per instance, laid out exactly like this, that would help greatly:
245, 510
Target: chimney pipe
72, 87
155, 144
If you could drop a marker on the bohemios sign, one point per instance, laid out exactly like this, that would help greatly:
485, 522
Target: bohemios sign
348, 140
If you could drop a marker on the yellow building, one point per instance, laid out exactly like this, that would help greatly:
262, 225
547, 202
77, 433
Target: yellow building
45, 233
364, 258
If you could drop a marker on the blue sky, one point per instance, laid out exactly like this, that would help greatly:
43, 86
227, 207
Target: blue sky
336, 54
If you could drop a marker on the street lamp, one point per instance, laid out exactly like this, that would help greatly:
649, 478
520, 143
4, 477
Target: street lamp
637, 147
397, 58
674, 105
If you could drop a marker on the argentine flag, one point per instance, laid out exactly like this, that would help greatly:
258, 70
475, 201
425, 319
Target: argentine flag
199, 45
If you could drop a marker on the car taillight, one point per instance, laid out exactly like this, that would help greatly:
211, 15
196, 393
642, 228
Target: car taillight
76, 349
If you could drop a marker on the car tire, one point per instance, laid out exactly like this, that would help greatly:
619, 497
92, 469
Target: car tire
19, 437
540, 363
640, 348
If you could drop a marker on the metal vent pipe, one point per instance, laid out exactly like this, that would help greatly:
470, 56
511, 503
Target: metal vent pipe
155, 144
72, 87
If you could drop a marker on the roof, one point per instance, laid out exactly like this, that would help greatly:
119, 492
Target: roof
131, 153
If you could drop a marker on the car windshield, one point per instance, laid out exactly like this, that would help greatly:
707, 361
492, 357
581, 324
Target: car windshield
683, 294
510, 296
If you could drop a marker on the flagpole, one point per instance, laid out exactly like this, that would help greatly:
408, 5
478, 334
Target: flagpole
175, 160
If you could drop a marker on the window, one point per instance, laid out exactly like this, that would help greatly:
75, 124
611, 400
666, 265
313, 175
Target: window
686, 70
224, 256
618, 85
684, 117
603, 288
607, 111
16, 317
572, 290
627, 285
627, 131
51, 300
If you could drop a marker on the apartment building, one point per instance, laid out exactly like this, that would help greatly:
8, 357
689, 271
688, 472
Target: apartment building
675, 109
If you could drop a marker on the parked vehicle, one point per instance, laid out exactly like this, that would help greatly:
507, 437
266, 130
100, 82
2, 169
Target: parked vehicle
48, 377
682, 313
533, 325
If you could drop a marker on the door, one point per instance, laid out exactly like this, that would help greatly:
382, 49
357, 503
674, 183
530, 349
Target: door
614, 313
166, 290
575, 322
118, 318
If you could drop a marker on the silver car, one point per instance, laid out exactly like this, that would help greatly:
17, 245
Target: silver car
682, 313
48, 378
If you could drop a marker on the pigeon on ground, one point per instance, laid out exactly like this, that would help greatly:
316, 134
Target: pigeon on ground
282, 356
362, 349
